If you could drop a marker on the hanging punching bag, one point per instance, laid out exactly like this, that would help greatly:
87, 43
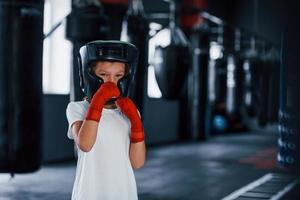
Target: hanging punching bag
115, 10
251, 69
269, 87
256, 89
264, 91
86, 22
171, 61
217, 82
232, 46
198, 82
21, 39
274, 84
234, 79
135, 30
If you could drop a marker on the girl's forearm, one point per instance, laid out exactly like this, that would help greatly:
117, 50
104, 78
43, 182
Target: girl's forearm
137, 154
87, 135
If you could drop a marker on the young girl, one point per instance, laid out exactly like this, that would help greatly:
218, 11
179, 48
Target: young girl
106, 127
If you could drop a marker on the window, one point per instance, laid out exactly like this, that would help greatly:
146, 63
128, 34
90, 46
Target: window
57, 54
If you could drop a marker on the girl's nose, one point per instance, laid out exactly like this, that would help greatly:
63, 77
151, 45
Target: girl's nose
112, 79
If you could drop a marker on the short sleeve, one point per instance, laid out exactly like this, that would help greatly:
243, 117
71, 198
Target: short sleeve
75, 112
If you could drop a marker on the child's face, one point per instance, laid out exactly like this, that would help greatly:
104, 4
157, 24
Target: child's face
110, 71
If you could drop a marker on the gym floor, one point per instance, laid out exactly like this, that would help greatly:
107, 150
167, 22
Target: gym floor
210, 170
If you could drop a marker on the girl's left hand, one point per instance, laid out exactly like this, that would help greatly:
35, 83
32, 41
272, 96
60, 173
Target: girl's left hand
127, 106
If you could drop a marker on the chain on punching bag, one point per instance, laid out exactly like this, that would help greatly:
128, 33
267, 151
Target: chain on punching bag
171, 61
21, 39
135, 30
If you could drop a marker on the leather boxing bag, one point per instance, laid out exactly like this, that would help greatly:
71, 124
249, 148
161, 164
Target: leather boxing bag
234, 79
251, 68
258, 106
264, 90
273, 99
84, 24
198, 82
270, 87
21, 50
115, 11
135, 30
171, 60
217, 87
261, 85
226, 80
217, 80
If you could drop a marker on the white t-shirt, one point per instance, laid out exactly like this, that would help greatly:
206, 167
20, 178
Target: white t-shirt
105, 172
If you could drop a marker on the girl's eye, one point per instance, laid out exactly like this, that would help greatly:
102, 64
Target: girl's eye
119, 75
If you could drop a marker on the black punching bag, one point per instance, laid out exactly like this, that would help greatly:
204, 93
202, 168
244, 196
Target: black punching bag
252, 69
86, 22
135, 30
21, 50
198, 83
171, 61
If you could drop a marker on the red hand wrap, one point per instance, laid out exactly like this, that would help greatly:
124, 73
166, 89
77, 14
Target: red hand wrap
106, 91
127, 107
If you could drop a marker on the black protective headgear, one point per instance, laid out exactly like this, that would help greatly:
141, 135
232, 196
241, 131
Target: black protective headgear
106, 50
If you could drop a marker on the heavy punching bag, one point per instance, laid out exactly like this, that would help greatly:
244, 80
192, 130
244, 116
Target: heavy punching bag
273, 58
217, 83
226, 80
252, 66
21, 50
115, 10
258, 71
234, 79
217, 73
171, 60
85, 23
198, 82
263, 77
135, 30
269, 90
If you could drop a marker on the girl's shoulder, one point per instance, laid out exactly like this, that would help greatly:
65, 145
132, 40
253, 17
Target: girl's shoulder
75, 105
79, 103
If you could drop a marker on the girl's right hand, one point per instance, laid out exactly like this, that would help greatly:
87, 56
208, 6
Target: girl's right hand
106, 91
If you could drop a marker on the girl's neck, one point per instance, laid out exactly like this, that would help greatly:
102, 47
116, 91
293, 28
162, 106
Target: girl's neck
110, 106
